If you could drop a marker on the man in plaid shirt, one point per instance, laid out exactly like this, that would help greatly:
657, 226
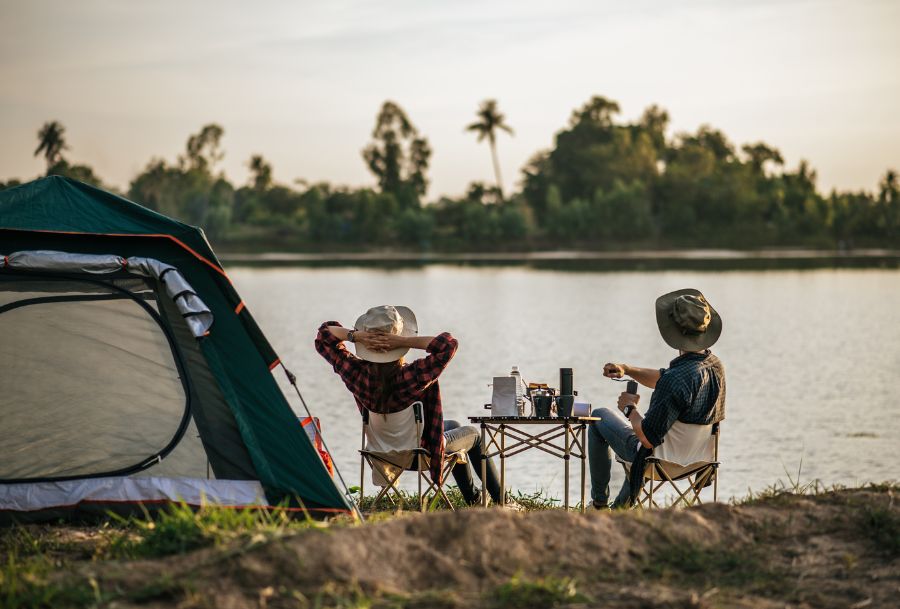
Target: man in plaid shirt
387, 385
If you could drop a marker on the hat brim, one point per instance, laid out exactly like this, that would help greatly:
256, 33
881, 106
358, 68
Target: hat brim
673, 335
410, 328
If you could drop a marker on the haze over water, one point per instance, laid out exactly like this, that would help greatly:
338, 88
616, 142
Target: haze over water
811, 356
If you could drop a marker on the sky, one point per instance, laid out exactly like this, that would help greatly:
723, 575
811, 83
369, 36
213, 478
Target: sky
301, 82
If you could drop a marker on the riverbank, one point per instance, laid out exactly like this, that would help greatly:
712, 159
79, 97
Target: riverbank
828, 549
715, 259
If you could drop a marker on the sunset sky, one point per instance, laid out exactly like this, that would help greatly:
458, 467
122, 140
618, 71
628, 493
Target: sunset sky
301, 82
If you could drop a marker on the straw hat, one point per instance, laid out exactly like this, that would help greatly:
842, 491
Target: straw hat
686, 320
390, 320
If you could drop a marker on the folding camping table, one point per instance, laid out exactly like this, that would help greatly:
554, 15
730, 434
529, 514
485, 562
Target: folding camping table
504, 437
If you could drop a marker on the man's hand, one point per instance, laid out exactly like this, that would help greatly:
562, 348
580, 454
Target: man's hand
614, 371
645, 376
626, 399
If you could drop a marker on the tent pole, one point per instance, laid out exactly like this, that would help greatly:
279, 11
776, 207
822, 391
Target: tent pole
293, 381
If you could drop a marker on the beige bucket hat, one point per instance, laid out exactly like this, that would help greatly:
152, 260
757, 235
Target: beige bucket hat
389, 319
687, 321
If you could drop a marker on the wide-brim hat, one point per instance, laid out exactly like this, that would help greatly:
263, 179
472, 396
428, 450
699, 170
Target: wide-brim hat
389, 319
687, 321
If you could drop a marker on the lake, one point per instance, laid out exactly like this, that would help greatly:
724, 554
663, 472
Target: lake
812, 356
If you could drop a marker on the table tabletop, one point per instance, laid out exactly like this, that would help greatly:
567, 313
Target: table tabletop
533, 420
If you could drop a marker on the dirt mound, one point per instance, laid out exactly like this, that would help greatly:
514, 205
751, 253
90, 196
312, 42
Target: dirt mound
830, 550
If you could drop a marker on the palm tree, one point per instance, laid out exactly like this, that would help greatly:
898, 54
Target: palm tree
490, 119
260, 172
52, 143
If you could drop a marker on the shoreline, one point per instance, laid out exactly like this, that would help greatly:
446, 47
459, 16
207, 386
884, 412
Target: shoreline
717, 259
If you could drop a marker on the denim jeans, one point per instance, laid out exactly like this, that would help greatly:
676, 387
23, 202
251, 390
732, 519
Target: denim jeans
615, 432
468, 438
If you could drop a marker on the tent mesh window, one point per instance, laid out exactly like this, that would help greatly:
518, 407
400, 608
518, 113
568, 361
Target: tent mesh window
90, 381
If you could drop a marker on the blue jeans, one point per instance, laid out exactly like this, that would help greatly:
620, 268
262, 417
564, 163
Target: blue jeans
615, 432
468, 438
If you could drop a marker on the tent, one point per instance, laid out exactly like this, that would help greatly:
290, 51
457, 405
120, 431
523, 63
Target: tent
131, 372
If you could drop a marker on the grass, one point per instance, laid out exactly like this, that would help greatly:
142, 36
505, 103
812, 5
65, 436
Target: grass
882, 526
29, 582
703, 566
38, 562
179, 529
33, 571
408, 501
352, 596
520, 593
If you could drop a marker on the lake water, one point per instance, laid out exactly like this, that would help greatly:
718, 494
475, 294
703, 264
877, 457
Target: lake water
812, 357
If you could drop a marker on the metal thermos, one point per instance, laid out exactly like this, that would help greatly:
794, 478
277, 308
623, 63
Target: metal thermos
566, 382
631, 387
566, 398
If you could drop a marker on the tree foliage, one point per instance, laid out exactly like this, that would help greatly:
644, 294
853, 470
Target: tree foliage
398, 155
603, 184
189, 190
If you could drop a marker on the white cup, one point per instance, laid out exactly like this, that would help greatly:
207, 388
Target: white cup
581, 409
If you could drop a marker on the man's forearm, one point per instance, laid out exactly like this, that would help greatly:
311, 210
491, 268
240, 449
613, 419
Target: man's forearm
636, 421
645, 376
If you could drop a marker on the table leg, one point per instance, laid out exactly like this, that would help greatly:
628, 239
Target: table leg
583, 462
566, 458
502, 464
484, 451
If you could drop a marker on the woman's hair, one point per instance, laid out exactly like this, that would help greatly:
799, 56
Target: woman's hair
385, 373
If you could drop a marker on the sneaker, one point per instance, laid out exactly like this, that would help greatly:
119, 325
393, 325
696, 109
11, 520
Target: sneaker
477, 501
601, 507
511, 504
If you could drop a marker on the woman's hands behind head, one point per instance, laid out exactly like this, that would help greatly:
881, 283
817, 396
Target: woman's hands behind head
378, 341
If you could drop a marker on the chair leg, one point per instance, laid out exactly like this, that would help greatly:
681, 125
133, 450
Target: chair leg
681, 495
384, 492
435, 491
362, 479
421, 498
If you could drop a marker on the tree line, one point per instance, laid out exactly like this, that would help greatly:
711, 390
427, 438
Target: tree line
604, 184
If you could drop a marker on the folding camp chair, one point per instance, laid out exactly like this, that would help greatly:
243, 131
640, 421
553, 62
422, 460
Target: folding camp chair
387, 467
695, 470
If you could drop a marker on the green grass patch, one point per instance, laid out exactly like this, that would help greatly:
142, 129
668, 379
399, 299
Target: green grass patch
179, 529
34, 540
28, 582
520, 593
701, 565
882, 526
408, 501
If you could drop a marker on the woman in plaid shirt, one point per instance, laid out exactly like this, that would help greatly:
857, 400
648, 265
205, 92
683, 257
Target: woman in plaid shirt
383, 383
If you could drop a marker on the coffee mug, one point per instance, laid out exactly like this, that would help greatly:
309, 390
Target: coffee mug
564, 406
542, 403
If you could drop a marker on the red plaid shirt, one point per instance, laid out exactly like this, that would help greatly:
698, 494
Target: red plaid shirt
415, 381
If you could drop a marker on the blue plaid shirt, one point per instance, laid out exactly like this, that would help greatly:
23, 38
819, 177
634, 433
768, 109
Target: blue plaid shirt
691, 390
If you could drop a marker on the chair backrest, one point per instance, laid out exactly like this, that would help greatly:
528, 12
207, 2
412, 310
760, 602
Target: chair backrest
391, 442
393, 432
685, 444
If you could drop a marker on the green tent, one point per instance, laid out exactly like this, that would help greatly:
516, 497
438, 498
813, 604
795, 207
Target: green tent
130, 369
